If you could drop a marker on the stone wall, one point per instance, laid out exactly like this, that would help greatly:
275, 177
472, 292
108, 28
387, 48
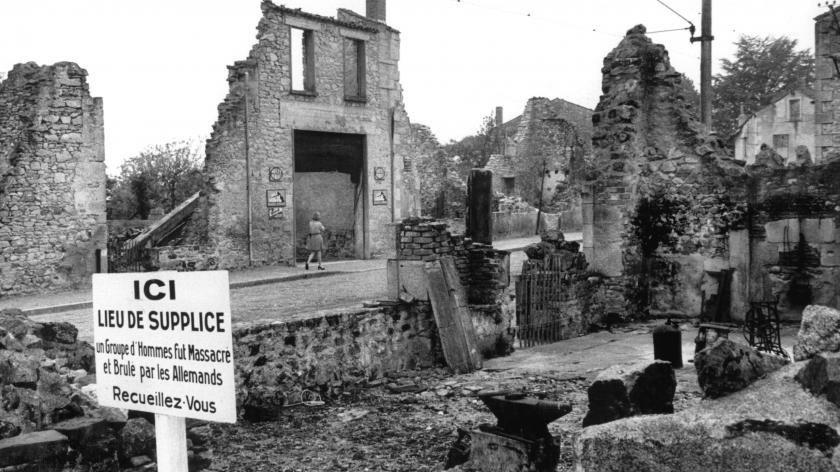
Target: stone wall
795, 236
665, 200
52, 179
252, 151
332, 352
185, 258
827, 85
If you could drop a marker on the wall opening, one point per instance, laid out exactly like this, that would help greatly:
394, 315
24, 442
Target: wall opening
509, 184
302, 60
354, 69
329, 179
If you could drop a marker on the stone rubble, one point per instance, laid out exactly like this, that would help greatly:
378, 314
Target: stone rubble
49, 419
623, 391
818, 332
725, 366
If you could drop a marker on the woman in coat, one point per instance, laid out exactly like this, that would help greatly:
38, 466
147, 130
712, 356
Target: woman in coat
316, 240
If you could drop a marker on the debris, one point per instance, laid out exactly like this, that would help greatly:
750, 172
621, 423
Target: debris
352, 414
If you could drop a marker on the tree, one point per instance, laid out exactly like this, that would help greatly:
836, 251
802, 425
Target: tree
161, 176
475, 150
761, 68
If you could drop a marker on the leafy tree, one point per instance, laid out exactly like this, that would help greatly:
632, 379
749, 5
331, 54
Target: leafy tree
474, 151
162, 176
761, 68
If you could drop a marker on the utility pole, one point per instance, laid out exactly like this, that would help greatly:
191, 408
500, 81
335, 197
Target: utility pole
706, 39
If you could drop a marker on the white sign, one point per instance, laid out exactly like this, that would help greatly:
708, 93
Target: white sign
163, 343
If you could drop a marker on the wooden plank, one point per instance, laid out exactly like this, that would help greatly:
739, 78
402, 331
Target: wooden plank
449, 319
459, 295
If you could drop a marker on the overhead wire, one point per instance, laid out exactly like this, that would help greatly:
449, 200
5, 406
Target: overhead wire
558, 22
675, 12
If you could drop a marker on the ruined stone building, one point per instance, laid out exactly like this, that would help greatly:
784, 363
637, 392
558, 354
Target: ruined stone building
786, 125
314, 122
52, 179
674, 224
550, 137
827, 67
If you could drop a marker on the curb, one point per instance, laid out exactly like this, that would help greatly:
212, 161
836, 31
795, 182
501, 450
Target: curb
47, 310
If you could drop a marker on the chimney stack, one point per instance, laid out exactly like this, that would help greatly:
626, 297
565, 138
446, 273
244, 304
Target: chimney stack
376, 10
499, 120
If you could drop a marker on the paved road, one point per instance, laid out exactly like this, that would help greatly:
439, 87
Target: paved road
282, 300
286, 300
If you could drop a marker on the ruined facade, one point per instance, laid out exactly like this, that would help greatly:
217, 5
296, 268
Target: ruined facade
786, 125
551, 137
52, 180
674, 223
314, 121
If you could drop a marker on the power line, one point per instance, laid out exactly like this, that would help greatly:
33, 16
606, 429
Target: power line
528, 14
669, 30
675, 12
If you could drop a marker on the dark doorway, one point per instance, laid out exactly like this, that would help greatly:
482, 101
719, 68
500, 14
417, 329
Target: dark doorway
329, 179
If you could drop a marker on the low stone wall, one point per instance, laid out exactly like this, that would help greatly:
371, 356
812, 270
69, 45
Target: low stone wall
330, 353
185, 258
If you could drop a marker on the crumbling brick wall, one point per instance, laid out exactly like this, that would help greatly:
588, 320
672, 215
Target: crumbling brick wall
484, 273
666, 200
52, 179
255, 132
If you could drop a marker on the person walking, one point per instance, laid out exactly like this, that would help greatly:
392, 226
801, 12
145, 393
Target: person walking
316, 240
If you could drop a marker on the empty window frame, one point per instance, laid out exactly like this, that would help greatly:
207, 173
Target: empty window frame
303, 60
781, 141
354, 69
794, 110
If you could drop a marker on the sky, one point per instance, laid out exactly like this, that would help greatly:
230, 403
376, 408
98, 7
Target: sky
161, 65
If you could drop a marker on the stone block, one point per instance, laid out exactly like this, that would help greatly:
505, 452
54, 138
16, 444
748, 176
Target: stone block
38, 447
772, 425
725, 367
810, 229
775, 231
830, 255
818, 332
619, 392
821, 375
828, 231
81, 430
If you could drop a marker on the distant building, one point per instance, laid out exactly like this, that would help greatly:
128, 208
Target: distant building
784, 125
553, 128
542, 147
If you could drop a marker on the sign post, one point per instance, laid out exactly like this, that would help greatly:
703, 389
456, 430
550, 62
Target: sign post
164, 345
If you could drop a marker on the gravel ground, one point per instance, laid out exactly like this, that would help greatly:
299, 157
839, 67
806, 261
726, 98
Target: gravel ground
374, 430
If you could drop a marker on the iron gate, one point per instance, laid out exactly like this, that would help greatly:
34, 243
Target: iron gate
540, 298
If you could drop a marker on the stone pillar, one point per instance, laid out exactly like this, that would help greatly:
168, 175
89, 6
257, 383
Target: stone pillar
588, 221
499, 116
480, 206
375, 10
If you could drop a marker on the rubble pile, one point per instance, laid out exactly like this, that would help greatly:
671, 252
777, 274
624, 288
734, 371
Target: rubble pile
49, 416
